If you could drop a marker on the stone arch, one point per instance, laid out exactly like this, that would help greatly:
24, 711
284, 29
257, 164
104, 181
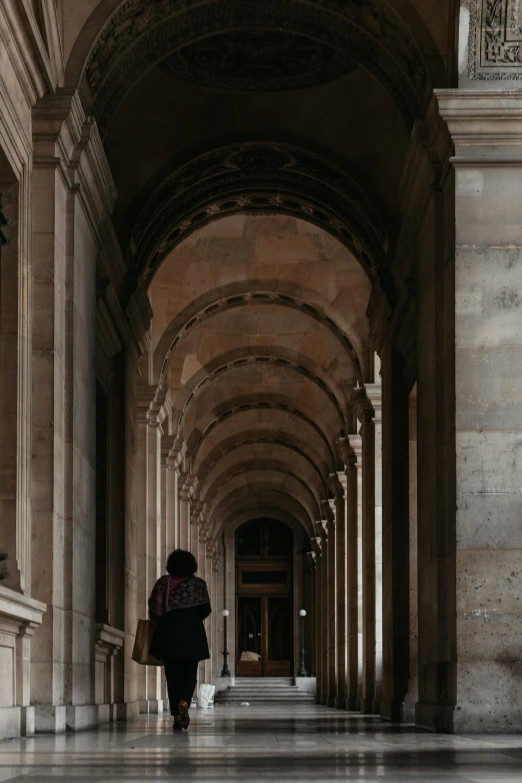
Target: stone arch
257, 176
251, 452
247, 466
183, 323
293, 486
257, 437
240, 518
198, 435
202, 379
268, 500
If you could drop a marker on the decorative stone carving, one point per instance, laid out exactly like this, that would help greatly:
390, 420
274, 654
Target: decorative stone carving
257, 59
495, 43
259, 177
142, 33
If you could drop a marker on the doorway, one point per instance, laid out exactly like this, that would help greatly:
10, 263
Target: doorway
264, 615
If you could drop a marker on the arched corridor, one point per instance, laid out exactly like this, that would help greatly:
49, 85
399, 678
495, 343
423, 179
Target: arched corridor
259, 299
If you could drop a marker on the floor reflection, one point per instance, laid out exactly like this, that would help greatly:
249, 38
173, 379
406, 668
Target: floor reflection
293, 743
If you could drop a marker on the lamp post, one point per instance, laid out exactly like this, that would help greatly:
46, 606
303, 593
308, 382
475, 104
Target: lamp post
302, 670
226, 671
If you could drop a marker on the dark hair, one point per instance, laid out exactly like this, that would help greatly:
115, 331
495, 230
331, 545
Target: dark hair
181, 563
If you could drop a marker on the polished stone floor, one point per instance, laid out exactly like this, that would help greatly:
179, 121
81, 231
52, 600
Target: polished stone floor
262, 743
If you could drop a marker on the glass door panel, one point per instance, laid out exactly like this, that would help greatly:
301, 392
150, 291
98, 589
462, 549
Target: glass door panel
249, 636
279, 631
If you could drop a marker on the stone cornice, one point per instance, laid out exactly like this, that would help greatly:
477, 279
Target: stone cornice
478, 121
21, 607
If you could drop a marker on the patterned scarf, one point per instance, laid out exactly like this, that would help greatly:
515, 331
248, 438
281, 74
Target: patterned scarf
184, 593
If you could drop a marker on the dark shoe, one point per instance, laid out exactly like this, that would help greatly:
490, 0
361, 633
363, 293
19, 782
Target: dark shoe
184, 714
176, 726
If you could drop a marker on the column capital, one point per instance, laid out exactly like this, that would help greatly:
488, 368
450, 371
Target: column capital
316, 542
328, 508
337, 482
356, 445
362, 406
322, 529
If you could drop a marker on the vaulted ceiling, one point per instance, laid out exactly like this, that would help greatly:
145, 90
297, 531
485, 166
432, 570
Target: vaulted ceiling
258, 151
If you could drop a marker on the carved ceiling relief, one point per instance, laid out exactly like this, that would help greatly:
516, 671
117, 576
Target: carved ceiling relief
244, 44
253, 59
495, 45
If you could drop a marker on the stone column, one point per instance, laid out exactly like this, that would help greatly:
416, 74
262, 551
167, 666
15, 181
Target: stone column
154, 542
319, 636
485, 665
351, 454
131, 669
73, 195
184, 513
331, 604
364, 412
412, 693
374, 393
339, 486
395, 550
15, 371
175, 501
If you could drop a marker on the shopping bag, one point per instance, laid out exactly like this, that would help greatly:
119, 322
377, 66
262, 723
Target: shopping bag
141, 652
206, 696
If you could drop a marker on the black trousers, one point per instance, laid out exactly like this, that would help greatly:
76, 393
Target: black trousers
182, 676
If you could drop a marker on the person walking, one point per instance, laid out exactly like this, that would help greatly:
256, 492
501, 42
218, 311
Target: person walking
178, 605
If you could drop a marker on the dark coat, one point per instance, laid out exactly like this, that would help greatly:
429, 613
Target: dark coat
181, 634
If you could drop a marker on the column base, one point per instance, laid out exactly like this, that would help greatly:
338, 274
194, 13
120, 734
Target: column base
340, 703
434, 717
49, 719
150, 706
367, 706
352, 704
392, 711
128, 711
16, 722
84, 716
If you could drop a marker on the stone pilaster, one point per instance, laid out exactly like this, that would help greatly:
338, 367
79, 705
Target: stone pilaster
486, 128
331, 603
73, 197
317, 546
395, 549
365, 413
351, 452
338, 483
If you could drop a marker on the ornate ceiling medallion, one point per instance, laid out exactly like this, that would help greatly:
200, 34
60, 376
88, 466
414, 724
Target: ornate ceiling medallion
258, 59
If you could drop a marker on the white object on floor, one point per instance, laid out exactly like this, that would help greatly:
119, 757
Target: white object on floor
206, 696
